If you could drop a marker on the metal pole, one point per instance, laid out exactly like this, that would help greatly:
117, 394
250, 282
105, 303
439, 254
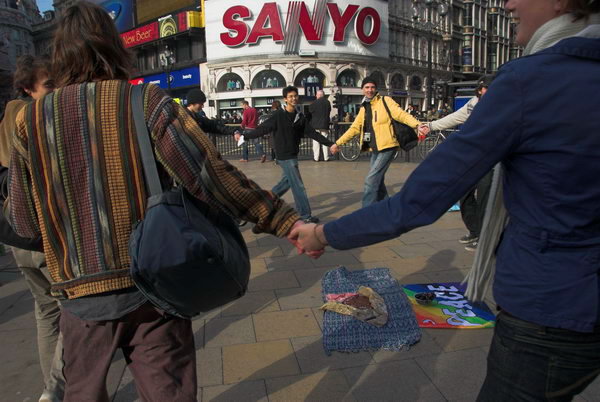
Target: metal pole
429, 68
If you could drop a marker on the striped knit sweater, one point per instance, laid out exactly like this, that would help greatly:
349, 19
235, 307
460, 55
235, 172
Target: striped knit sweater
76, 177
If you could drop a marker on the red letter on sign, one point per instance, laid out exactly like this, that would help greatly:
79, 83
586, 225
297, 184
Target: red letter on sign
307, 25
230, 22
359, 28
269, 15
340, 22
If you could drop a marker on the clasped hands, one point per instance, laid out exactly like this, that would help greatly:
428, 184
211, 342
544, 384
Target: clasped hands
308, 238
423, 130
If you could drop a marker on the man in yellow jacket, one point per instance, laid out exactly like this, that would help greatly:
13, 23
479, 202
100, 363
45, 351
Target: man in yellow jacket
374, 125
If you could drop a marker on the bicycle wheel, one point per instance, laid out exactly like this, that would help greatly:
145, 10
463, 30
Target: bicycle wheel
427, 145
351, 150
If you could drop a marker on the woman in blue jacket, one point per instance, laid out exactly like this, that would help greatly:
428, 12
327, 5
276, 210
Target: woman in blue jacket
541, 119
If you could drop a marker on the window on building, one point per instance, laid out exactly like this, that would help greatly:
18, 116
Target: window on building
347, 78
310, 76
230, 82
398, 82
379, 79
416, 83
268, 79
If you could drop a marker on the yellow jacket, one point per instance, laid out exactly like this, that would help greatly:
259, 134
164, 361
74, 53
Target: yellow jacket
382, 125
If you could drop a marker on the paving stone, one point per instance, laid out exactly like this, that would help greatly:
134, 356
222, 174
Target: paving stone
243, 391
285, 324
252, 302
425, 347
273, 280
258, 266
126, 391
209, 365
331, 260
310, 277
312, 357
296, 298
453, 275
592, 392
267, 251
413, 250
372, 254
287, 263
198, 330
417, 237
458, 339
321, 386
272, 241
319, 314
458, 375
395, 381
229, 331
258, 361
453, 258
449, 234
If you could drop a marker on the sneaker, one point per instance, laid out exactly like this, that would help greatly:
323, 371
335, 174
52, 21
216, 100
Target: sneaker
263, 159
243, 160
470, 238
311, 219
471, 247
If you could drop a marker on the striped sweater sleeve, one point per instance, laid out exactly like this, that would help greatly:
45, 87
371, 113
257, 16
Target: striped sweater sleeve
20, 208
207, 176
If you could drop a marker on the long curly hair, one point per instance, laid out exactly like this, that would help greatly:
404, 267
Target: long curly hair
87, 47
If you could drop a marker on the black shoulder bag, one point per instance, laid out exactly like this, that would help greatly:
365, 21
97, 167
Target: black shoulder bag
186, 257
405, 135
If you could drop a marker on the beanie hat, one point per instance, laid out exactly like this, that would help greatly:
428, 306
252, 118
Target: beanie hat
368, 80
195, 96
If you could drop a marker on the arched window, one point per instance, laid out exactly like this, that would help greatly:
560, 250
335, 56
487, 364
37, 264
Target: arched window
310, 76
268, 79
379, 79
398, 82
416, 83
230, 82
347, 78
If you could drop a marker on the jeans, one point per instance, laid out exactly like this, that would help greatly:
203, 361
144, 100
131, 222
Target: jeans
291, 179
317, 146
47, 315
374, 182
257, 145
529, 362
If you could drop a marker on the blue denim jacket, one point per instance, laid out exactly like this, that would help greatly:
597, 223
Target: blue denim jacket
541, 119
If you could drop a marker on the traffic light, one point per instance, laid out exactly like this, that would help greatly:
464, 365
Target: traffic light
440, 90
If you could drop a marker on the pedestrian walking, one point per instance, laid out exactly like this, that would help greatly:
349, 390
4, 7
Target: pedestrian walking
320, 111
78, 148
546, 344
250, 121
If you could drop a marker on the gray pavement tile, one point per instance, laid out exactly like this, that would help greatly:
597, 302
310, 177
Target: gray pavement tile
592, 392
453, 258
198, 329
287, 263
116, 373
20, 373
458, 375
414, 250
209, 365
251, 303
296, 298
417, 238
320, 386
319, 314
126, 392
312, 358
273, 280
272, 241
229, 331
331, 259
310, 277
448, 234
425, 347
395, 381
458, 339
451, 275
266, 251
243, 391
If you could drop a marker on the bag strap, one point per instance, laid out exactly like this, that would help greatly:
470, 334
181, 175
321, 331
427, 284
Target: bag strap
387, 109
143, 137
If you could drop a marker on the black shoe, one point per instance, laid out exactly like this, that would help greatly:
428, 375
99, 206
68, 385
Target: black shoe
471, 247
470, 238
311, 219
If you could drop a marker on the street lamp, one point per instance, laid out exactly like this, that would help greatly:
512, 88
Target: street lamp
167, 59
442, 9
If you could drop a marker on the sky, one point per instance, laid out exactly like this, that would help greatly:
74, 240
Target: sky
44, 5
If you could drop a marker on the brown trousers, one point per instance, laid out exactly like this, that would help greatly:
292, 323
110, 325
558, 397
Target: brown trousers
158, 348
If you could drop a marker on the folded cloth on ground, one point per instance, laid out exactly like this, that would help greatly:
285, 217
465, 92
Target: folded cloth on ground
365, 305
346, 334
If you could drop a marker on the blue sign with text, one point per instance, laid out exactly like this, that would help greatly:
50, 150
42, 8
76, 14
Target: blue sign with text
179, 78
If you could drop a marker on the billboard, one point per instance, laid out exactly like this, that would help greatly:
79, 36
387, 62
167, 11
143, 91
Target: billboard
165, 26
179, 78
241, 29
151, 10
140, 35
121, 12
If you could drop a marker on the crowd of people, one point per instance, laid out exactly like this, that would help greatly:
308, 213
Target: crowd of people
75, 183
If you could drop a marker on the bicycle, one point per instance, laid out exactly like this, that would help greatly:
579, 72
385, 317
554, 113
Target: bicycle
431, 141
351, 150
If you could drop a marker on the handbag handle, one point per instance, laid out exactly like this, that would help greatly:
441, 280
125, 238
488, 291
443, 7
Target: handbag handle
143, 137
387, 109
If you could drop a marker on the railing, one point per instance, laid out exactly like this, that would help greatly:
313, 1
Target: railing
228, 148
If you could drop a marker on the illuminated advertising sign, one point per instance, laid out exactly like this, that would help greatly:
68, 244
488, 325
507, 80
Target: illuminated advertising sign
121, 12
144, 34
179, 78
236, 29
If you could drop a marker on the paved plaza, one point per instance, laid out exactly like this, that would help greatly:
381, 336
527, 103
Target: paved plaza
267, 345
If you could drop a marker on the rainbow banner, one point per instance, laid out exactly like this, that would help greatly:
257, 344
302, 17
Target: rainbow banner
450, 308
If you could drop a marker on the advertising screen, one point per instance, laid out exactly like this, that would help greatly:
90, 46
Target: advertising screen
148, 10
236, 28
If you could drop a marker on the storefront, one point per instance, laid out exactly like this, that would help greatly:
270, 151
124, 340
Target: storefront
255, 49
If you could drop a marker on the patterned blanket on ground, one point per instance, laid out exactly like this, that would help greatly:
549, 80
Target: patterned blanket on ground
347, 334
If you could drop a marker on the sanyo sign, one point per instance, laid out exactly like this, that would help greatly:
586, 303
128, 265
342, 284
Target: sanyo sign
292, 27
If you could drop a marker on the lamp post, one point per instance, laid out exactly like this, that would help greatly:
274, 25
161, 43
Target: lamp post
167, 59
442, 8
